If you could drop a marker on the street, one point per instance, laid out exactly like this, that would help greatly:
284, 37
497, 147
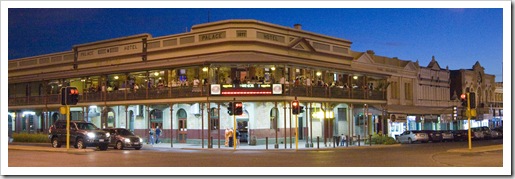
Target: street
405, 155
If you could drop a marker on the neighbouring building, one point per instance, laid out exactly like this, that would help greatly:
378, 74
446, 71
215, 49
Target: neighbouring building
483, 85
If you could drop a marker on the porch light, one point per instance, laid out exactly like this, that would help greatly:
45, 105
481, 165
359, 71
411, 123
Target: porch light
116, 77
355, 77
204, 69
273, 68
319, 73
156, 73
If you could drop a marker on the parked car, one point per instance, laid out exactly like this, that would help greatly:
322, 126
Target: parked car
412, 136
499, 131
434, 136
477, 133
82, 134
123, 138
447, 136
460, 135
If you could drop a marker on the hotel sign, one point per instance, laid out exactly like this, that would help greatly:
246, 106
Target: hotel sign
246, 89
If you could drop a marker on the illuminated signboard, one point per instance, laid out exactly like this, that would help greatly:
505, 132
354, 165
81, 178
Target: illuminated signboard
246, 89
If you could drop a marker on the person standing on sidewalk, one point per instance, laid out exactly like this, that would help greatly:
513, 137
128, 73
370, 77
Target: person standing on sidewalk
343, 140
158, 133
151, 136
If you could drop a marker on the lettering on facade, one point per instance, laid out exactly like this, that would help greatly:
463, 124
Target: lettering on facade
130, 47
212, 36
86, 53
271, 37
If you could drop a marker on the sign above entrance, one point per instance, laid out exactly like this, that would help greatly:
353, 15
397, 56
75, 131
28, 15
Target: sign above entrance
246, 89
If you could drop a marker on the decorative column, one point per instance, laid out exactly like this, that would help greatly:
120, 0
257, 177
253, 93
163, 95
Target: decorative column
284, 109
127, 117
171, 125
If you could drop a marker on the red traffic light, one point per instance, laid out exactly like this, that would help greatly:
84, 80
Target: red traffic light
295, 103
463, 96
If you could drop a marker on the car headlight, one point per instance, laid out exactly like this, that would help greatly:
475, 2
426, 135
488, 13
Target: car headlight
108, 134
140, 140
127, 140
91, 135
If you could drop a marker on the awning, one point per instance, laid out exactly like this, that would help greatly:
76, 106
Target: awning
416, 110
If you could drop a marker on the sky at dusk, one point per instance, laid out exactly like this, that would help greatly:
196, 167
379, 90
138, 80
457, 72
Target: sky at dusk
457, 37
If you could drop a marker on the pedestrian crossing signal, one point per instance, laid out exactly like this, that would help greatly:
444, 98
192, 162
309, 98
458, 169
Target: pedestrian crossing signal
238, 108
230, 109
295, 106
69, 95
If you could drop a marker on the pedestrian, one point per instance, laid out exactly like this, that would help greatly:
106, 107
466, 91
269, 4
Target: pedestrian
238, 138
158, 133
227, 137
151, 136
344, 139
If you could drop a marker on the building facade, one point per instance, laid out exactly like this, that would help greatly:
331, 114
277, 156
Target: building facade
184, 82
484, 86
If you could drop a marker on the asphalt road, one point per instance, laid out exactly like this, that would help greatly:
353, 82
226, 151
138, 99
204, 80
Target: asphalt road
406, 155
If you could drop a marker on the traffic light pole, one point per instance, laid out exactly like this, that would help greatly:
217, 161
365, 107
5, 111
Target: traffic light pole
297, 132
235, 127
468, 121
67, 127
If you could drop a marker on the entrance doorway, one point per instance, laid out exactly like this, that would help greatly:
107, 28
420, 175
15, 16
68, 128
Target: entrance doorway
183, 126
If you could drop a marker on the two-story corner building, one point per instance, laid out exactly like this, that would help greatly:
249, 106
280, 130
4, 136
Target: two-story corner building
184, 82
483, 85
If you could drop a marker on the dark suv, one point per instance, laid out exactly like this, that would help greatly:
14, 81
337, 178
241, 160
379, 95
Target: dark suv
82, 134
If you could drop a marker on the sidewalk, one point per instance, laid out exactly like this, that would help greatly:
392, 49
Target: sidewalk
183, 146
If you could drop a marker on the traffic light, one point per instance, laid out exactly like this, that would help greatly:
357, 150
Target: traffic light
238, 108
472, 98
295, 106
230, 109
69, 95
463, 99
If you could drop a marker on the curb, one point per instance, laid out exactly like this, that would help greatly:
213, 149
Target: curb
35, 148
477, 149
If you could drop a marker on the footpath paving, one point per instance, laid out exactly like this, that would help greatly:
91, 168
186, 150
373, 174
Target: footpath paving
181, 146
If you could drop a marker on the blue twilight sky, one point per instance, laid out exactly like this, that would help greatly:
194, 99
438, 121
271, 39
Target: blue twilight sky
456, 37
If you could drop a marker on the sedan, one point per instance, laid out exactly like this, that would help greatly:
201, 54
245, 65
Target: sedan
434, 136
447, 136
123, 138
412, 136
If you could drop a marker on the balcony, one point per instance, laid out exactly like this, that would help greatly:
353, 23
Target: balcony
201, 91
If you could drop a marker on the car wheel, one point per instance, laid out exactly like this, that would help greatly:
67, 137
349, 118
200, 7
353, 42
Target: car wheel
137, 148
119, 145
410, 141
55, 143
80, 144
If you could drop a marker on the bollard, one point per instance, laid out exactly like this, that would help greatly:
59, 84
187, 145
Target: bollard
334, 142
318, 142
358, 140
370, 140
266, 138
